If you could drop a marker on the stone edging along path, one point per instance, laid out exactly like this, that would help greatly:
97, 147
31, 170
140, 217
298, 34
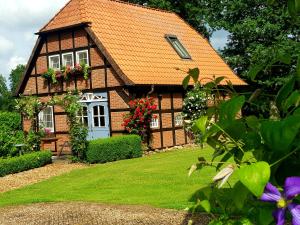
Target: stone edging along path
91, 213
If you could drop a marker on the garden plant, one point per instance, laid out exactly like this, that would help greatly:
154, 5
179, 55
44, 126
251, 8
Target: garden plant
259, 156
137, 121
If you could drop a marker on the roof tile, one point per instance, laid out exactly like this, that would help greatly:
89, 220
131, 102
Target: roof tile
134, 36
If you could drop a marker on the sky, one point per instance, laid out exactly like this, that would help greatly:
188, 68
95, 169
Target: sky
20, 19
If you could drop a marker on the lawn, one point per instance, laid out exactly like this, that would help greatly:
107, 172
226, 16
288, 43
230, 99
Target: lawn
160, 180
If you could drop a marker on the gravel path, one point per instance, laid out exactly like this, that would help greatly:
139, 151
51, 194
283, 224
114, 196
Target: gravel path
91, 213
21, 179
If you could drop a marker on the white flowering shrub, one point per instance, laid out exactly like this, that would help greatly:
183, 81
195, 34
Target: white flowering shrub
194, 106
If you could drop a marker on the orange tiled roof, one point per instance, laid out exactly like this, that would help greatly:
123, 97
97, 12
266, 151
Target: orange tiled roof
134, 37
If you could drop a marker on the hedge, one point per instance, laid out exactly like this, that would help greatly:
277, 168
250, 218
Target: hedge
24, 162
114, 148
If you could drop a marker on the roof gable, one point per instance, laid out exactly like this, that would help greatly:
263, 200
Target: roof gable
71, 14
134, 37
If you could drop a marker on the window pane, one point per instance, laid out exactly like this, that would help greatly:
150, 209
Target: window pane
180, 49
46, 118
85, 121
82, 58
68, 59
54, 62
95, 108
102, 121
101, 110
84, 111
96, 122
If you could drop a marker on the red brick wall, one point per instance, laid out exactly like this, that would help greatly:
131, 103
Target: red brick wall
30, 87
98, 78
116, 121
116, 101
66, 40
80, 38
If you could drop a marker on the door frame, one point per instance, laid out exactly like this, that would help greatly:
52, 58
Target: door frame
89, 100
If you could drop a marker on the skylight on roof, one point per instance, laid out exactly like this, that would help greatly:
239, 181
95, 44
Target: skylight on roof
178, 47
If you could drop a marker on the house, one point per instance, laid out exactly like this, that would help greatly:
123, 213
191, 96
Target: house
132, 50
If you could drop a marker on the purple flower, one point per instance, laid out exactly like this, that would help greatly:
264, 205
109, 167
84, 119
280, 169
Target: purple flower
284, 201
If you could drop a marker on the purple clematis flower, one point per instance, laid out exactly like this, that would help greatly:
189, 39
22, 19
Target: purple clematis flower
284, 201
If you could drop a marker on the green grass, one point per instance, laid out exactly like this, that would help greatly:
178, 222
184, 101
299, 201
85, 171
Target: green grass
160, 181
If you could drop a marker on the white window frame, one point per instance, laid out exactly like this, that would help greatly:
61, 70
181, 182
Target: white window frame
41, 115
177, 122
99, 116
81, 117
154, 123
87, 56
63, 60
50, 64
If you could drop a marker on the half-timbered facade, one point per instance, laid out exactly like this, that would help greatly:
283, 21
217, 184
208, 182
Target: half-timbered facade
132, 51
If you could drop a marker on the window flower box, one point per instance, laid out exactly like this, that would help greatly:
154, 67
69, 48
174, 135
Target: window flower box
66, 73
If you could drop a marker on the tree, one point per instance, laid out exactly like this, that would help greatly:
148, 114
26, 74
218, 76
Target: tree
15, 77
6, 101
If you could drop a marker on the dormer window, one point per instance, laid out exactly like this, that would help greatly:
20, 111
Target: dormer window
54, 62
67, 59
178, 47
82, 57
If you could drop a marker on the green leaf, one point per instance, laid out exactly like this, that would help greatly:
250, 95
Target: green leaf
265, 216
185, 82
292, 100
225, 158
229, 109
284, 92
194, 73
297, 6
298, 68
218, 80
254, 70
253, 122
292, 8
201, 123
205, 205
279, 135
297, 112
239, 195
284, 57
255, 177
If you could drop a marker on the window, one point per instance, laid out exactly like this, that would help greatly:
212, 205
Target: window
67, 59
82, 57
98, 116
176, 44
178, 120
83, 116
54, 62
154, 122
46, 118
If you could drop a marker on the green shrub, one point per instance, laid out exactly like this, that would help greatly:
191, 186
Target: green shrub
10, 121
24, 162
114, 148
10, 133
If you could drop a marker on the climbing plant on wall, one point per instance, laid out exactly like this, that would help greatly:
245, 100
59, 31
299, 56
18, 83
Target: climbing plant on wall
78, 132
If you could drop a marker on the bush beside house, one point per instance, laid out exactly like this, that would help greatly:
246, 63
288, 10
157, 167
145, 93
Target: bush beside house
10, 133
114, 148
24, 162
